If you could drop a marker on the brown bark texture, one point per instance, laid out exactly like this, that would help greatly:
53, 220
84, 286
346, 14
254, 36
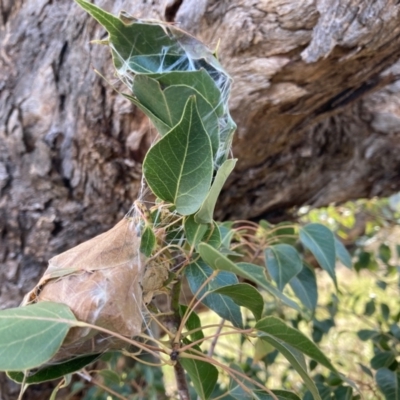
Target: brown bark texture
316, 97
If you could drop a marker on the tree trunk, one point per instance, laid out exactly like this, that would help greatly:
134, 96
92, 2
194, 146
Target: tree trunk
315, 97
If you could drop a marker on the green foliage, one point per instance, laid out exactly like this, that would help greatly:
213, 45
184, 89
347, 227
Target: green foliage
205, 214
197, 274
53, 371
320, 241
32, 335
180, 159
283, 263
256, 277
203, 376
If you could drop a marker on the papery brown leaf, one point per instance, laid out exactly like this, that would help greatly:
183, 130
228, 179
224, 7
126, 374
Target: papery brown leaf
100, 281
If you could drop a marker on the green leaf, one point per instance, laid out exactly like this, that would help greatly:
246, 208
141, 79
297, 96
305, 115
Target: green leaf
366, 334
213, 236
203, 375
304, 286
343, 393
160, 125
248, 271
342, 253
194, 231
296, 360
370, 308
217, 261
225, 229
197, 273
321, 242
32, 335
283, 263
147, 241
252, 272
385, 254
192, 323
132, 42
244, 295
53, 371
168, 105
236, 391
388, 383
277, 328
206, 212
382, 359
179, 167
199, 81
385, 311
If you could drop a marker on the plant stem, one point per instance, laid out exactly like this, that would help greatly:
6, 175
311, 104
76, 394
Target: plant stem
181, 383
175, 294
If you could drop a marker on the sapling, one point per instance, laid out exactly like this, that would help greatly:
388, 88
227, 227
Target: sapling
102, 294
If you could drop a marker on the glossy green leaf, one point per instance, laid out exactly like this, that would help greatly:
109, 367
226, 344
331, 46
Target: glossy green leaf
225, 307
53, 371
194, 231
296, 360
199, 81
203, 375
206, 212
280, 330
304, 286
180, 159
283, 263
388, 383
342, 253
321, 242
147, 241
244, 295
168, 105
24, 330
192, 323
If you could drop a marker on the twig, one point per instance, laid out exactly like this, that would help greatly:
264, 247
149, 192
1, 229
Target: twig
216, 337
181, 383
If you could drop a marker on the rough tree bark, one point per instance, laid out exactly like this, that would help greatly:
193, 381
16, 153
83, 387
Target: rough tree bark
315, 98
